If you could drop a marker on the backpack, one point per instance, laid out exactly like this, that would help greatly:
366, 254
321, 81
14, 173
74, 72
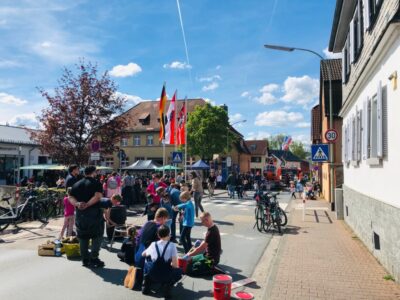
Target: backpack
160, 270
112, 184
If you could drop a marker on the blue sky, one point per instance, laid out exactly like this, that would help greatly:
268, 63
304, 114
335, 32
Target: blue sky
141, 44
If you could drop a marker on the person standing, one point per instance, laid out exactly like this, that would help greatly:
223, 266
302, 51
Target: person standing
72, 178
188, 220
112, 185
197, 190
85, 196
127, 189
174, 193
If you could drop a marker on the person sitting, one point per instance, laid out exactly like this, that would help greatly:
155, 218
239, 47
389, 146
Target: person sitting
127, 253
115, 215
204, 258
162, 263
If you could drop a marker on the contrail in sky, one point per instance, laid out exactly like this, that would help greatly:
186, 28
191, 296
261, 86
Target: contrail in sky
184, 39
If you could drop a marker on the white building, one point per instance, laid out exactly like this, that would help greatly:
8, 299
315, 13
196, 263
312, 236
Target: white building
367, 33
16, 142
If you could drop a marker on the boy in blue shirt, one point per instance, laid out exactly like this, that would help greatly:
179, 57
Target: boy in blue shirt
188, 220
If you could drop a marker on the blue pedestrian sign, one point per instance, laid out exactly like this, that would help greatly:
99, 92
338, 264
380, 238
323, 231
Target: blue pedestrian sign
320, 152
177, 157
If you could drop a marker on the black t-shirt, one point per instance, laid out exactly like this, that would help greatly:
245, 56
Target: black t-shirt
211, 179
213, 240
89, 222
70, 181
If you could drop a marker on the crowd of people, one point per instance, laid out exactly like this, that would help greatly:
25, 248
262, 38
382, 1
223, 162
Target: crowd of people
97, 205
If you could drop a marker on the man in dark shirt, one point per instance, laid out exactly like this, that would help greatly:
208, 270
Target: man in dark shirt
72, 178
206, 256
86, 195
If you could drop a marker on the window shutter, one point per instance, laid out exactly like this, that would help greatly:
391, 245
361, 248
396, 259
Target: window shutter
351, 44
344, 64
359, 114
344, 136
379, 133
366, 14
364, 130
350, 140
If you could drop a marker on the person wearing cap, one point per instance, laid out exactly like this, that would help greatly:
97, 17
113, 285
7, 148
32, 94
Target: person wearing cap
85, 196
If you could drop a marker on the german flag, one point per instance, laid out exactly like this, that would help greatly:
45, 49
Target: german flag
163, 101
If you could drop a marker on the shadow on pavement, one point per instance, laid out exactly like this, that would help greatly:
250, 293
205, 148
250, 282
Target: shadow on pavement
291, 229
114, 276
216, 222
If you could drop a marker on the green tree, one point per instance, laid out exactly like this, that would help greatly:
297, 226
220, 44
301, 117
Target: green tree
297, 149
207, 130
275, 142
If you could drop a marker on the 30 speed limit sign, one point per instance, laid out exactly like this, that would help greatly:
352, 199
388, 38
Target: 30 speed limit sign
331, 135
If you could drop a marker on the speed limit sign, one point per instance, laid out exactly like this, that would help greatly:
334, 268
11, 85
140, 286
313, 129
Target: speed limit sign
331, 135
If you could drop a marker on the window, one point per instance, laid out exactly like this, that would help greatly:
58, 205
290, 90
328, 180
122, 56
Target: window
149, 140
109, 162
136, 140
358, 30
139, 158
346, 60
125, 162
124, 142
373, 8
42, 160
255, 159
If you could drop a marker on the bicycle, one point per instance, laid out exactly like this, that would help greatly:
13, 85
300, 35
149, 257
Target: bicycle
282, 213
31, 209
266, 212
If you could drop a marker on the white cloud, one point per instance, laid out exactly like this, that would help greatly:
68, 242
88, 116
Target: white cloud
9, 63
245, 94
177, 65
212, 86
209, 79
305, 139
218, 67
12, 100
235, 117
277, 118
266, 94
130, 98
331, 55
300, 90
303, 125
259, 135
28, 120
125, 70
287, 107
208, 100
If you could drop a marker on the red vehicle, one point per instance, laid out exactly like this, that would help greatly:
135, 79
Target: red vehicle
271, 173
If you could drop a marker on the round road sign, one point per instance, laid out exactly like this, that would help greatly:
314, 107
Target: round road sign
331, 135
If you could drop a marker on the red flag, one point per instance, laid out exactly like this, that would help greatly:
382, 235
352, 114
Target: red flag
170, 123
163, 100
182, 125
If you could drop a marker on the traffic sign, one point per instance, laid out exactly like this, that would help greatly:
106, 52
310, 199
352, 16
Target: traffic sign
177, 157
331, 135
95, 156
95, 145
320, 152
228, 161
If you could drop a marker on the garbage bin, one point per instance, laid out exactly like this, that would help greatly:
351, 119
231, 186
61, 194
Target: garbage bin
339, 204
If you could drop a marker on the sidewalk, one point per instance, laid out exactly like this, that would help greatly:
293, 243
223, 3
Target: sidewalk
321, 258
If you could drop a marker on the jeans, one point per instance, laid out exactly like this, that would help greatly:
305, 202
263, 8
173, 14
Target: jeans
231, 190
95, 249
173, 225
197, 202
185, 238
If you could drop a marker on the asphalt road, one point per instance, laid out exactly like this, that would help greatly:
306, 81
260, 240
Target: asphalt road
25, 275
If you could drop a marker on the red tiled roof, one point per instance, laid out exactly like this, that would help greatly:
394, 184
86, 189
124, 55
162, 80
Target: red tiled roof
257, 147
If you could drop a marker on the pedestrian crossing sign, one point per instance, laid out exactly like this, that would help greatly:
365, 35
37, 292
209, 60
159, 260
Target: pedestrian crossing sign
320, 152
177, 157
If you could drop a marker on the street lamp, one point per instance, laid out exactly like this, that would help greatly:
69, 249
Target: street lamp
291, 49
227, 141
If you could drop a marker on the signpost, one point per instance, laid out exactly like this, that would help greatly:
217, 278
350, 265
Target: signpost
177, 157
95, 156
320, 152
331, 135
95, 145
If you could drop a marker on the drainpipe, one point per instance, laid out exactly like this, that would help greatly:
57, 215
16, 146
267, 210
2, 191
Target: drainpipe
29, 160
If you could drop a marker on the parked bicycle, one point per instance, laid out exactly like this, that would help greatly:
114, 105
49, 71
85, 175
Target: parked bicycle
268, 214
30, 209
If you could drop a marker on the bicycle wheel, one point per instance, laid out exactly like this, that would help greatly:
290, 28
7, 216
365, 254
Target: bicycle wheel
259, 218
282, 216
40, 213
4, 222
277, 221
267, 222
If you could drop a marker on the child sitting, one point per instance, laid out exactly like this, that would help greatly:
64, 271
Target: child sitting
127, 253
116, 215
162, 267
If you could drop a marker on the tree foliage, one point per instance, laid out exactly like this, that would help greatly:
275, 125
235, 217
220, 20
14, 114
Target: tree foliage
207, 131
276, 141
80, 109
297, 149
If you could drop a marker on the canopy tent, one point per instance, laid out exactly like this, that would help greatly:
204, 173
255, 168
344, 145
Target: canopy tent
44, 167
99, 168
200, 165
143, 165
168, 168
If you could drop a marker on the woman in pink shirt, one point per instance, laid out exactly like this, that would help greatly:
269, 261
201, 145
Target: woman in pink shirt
69, 217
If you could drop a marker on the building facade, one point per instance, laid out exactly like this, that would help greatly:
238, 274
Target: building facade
367, 33
259, 154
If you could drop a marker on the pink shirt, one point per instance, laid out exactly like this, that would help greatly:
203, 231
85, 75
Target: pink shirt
69, 209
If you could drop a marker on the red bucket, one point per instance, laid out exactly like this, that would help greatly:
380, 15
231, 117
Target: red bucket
244, 295
182, 263
222, 287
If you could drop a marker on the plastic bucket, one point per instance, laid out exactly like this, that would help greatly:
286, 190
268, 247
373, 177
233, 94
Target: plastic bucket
244, 295
182, 264
222, 287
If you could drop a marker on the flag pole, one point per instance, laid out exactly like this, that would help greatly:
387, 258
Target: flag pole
163, 157
176, 130
186, 113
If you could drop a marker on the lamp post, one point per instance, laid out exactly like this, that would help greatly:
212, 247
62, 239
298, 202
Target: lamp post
331, 164
227, 141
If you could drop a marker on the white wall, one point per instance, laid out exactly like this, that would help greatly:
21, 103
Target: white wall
380, 182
